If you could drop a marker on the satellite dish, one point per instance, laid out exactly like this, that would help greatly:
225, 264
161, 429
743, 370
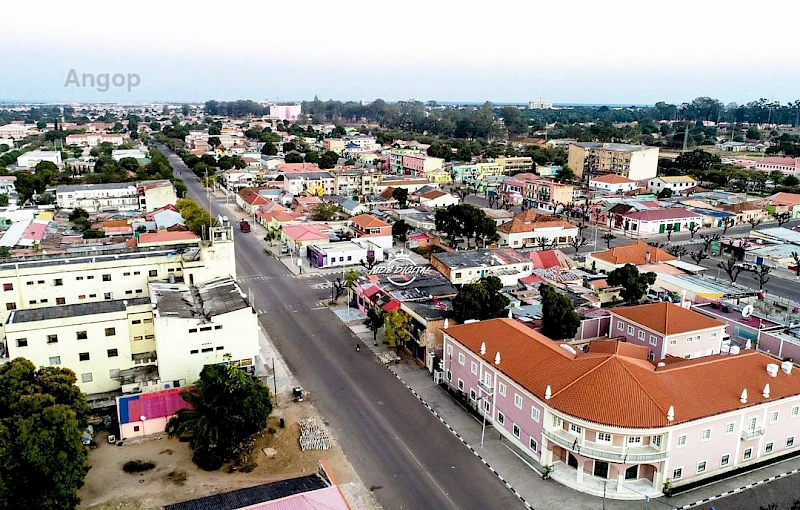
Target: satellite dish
747, 311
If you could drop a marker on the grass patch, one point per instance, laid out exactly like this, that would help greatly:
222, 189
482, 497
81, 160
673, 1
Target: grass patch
138, 466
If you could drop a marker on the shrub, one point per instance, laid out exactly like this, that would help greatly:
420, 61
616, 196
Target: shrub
138, 466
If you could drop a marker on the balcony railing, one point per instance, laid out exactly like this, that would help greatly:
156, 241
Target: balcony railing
752, 434
610, 453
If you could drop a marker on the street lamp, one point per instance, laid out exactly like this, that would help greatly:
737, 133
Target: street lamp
142, 419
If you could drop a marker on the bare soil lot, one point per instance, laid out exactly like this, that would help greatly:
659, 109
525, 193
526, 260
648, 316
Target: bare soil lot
175, 478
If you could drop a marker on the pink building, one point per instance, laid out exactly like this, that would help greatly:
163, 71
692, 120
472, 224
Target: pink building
789, 166
148, 413
666, 329
610, 419
285, 112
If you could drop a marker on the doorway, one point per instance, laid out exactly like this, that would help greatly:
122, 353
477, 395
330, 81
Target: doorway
572, 461
601, 469
632, 473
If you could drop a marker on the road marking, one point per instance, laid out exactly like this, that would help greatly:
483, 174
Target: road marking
739, 489
320, 308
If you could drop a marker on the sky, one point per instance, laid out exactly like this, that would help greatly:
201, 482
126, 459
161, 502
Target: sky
597, 52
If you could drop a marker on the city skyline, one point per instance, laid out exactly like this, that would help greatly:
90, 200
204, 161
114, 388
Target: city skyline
429, 52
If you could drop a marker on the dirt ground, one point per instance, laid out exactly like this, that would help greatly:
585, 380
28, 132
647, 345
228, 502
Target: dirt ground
175, 478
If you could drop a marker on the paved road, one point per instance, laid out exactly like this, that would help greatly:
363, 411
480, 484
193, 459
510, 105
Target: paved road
396, 446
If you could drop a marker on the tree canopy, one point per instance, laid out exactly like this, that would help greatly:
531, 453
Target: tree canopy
228, 406
481, 300
634, 284
559, 318
42, 417
465, 220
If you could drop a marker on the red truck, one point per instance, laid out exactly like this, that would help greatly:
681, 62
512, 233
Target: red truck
244, 226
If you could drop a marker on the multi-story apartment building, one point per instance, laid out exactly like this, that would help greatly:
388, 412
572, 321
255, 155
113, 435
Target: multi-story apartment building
394, 159
608, 421
636, 162
477, 171
666, 329
94, 139
16, 131
544, 194
155, 195
420, 164
98, 197
198, 325
514, 164
285, 111
355, 182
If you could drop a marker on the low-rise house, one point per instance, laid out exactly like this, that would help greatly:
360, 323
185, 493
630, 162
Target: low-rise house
545, 195
613, 183
676, 183
137, 154
342, 253
643, 425
298, 237
367, 226
638, 253
167, 238
156, 194
437, 198
310, 183
783, 202
148, 413
667, 329
528, 228
659, 221
463, 267
745, 211
250, 201
201, 325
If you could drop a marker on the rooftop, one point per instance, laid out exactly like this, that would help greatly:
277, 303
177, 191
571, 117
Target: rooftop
76, 310
215, 297
501, 257
616, 147
674, 213
635, 254
612, 179
250, 496
614, 384
69, 188
366, 221
666, 318
530, 221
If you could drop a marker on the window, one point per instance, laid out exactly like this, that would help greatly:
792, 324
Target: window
472, 395
136, 321
29, 283
680, 441
153, 272
206, 349
111, 331
501, 389
137, 272
461, 358
773, 417
205, 328
193, 351
90, 277
139, 291
768, 448
751, 424
653, 340
112, 353
87, 377
556, 421
673, 341
487, 379
22, 342
108, 295
92, 295
58, 282
32, 302
501, 418
149, 337
61, 301
83, 356
40, 282
789, 441
137, 338
620, 326
515, 430
82, 296
517, 401
473, 367
713, 335
641, 335
575, 429
43, 300
725, 460
747, 453
701, 466
795, 412
603, 437
52, 339
450, 349
705, 435
192, 330
81, 335
689, 339
106, 277
729, 428
113, 373
533, 445
79, 278
630, 330
8, 286
534, 414
128, 292
136, 428
634, 440
126, 274
461, 385
656, 441
218, 327
55, 360
11, 306
677, 473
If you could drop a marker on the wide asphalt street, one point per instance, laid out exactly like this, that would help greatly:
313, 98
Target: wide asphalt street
397, 447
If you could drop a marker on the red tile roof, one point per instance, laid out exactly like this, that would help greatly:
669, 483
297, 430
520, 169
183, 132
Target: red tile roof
612, 179
529, 221
666, 318
366, 221
635, 254
614, 384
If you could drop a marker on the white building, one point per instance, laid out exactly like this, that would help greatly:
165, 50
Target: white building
676, 183
15, 131
201, 325
137, 154
155, 195
33, 158
612, 183
94, 139
463, 267
94, 340
285, 112
342, 254
528, 229
98, 197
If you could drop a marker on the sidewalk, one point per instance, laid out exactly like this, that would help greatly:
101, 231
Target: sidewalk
521, 475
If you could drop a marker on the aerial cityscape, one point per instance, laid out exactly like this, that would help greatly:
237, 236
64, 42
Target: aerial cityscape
564, 278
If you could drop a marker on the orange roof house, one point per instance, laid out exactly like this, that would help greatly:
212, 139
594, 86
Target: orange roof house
638, 254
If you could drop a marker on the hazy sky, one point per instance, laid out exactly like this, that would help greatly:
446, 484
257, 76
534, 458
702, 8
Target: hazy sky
565, 51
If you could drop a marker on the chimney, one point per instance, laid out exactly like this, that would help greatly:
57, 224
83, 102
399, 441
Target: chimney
647, 257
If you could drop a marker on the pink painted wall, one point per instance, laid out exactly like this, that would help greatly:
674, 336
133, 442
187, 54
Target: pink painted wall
622, 327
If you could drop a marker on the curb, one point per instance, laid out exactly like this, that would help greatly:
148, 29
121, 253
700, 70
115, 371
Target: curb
464, 442
740, 489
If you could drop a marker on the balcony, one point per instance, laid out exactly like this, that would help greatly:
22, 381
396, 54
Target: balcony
747, 435
605, 452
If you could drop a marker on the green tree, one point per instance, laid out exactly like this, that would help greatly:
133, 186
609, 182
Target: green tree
269, 149
400, 230
129, 164
791, 181
324, 212
396, 332
227, 407
5, 252
401, 195
634, 284
374, 322
328, 160
195, 217
753, 133
559, 318
214, 142
481, 300
565, 174
42, 417
665, 193
4, 200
